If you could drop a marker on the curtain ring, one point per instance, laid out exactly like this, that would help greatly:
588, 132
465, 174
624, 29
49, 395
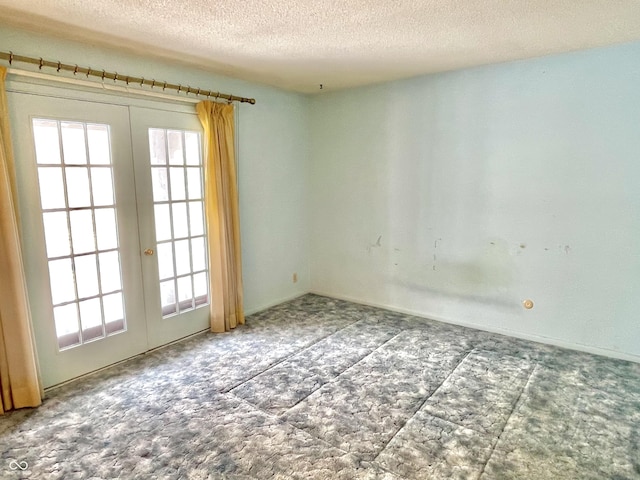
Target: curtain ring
127, 80
75, 71
58, 69
142, 82
153, 83
88, 71
208, 94
41, 62
10, 58
187, 90
115, 77
198, 92
179, 88
103, 74
164, 86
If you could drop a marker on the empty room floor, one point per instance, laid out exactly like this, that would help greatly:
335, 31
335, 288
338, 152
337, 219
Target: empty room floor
318, 388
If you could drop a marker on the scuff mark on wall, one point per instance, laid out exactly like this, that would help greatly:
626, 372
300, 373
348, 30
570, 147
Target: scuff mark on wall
375, 245
435, 258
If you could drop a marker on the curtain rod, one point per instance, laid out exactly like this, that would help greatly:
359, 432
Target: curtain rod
115, 76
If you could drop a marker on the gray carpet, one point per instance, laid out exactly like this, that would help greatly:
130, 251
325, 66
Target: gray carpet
319, 389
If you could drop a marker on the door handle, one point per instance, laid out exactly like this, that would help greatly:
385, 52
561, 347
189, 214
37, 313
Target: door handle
148, 252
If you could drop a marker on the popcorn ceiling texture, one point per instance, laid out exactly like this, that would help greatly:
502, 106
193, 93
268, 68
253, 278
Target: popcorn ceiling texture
324, 389
298, 45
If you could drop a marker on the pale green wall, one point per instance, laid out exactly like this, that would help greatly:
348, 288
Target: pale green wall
273, 160
457, 196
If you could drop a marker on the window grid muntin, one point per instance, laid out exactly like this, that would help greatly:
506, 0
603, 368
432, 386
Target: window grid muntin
83, 335
185, 166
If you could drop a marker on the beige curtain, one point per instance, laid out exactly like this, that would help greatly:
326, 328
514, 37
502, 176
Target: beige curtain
19, 379
223, 221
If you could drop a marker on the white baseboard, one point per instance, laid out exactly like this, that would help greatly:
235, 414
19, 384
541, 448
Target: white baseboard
253, 310
510, 333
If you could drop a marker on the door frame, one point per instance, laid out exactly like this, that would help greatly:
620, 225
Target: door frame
31, 223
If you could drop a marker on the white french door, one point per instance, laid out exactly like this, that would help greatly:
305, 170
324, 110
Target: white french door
173, 238
114, 240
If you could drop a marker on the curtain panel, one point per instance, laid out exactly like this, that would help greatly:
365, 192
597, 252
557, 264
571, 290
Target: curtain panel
223, 221
19, 379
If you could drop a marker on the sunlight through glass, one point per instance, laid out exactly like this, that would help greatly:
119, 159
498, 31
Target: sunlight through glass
85, 237
179, 225
45, 135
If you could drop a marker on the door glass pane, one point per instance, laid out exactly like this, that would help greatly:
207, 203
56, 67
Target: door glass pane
198, 254
91, 319
165, 260
200, 288
110, 271
185, 293
179, 225
82, 231
51, 187
180, 220
62, 284
192, 148
87, 276
46, 137
177, 183
73, 143
102, 186
107, 233
194, 183
163, 222
67, 327
157, 146
82, 241
174, 139
113, 307
168, 297
196, 220
183, 260
160, 184
56, 234
99, 147
79, 194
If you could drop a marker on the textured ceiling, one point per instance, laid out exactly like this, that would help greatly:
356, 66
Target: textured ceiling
298, 44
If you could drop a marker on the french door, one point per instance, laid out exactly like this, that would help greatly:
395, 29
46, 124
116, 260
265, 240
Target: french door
111, 207
171, 223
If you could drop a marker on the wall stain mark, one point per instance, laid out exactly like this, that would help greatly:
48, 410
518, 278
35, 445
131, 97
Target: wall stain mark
375, 245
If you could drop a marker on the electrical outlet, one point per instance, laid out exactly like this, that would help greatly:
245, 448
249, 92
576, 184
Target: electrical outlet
295, 278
